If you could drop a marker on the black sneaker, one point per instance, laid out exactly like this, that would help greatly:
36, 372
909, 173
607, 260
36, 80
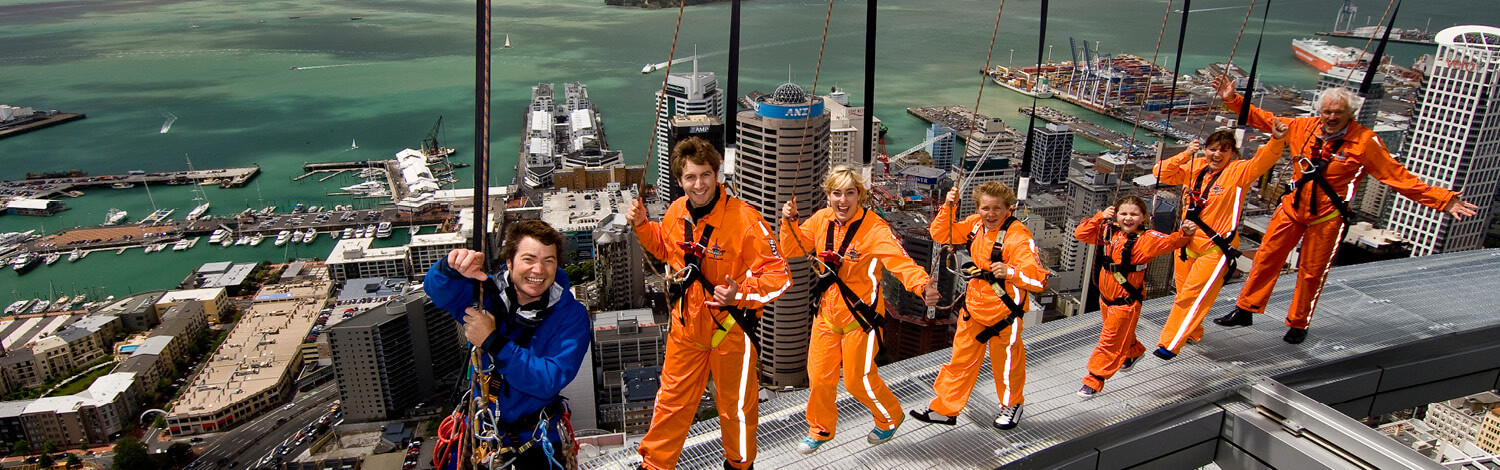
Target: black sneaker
933, 417
727, 466
1008, 418
1129, 362
1087, 392
1237, 317
1295, 335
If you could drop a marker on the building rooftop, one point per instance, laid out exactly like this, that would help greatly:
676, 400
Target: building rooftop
31, 204
231, 277
611, 320
259, 350
215, 267
11, 409
206, 294
103, 392
357, 250
152, 346
133, 304
573, 211
428, 239
17, 332
368, 287
94, 322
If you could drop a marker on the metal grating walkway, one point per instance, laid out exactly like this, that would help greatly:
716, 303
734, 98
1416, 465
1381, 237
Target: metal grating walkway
1363, 308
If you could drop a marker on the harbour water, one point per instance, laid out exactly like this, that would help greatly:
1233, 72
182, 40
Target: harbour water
224, 69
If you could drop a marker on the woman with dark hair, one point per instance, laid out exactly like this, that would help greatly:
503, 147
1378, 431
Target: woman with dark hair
1122, 282
1213, 196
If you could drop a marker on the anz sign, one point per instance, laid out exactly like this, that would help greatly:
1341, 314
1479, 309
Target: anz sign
789, 112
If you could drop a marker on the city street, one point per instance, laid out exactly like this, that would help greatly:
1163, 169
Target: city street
244, 445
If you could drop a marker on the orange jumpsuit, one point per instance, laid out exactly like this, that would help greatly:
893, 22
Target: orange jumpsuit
1309, 217
836, 334
742, 247
1117, 337
1199, 277
983, 308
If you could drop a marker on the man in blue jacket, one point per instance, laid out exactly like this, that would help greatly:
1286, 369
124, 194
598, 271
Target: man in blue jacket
531, 338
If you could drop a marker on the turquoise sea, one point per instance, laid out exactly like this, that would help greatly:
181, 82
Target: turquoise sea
224, 70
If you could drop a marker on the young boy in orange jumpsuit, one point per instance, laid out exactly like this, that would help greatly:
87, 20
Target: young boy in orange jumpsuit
852, 245
726, 268
1122, 282
1212, 196
1005, 271
1332, 153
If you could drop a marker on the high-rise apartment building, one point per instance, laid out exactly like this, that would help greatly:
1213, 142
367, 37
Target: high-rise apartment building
783, 153
1454, 141
1051, 147
693, 93
619, 265
941, 150
395, 356
626, 340
993, 148
846, 129
709, 128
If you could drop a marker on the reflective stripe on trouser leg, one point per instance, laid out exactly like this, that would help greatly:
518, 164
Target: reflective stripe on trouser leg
862, 379
1201, 285
1010, 380
1116, 342
734, 382
684, 375
1319, 246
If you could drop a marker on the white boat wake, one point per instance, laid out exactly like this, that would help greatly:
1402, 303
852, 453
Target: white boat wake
310, 67
165, 126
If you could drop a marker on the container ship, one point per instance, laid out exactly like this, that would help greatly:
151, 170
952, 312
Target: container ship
1323, 56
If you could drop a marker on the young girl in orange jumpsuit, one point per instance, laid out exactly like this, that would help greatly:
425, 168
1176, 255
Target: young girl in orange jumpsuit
1129, 251
724, 257
855, 244
1214, 185
1006, 272
1345, 150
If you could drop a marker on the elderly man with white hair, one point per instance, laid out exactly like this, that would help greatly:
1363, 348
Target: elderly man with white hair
1331, 155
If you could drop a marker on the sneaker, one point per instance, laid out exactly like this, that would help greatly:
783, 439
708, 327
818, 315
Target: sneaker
1237, 317
879, 436
1008, 418
808, 445
933, 417
1087, 392
1129, 362
1163, 353
1190, 341
1295, 335
729, 466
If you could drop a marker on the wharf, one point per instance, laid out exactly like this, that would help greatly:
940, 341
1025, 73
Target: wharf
1087, 130
46, 188
959, 118
396, 181
49, 121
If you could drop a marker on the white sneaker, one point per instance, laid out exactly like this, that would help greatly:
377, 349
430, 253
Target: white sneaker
1008, 418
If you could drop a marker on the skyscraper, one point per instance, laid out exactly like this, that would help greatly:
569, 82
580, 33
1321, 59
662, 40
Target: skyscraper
619, 265
1051, 147
1454, 143
783, 153
992, 147
686, 94
846, 128
941, 150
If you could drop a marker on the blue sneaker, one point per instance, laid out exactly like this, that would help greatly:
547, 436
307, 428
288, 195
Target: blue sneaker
1163, 353
808, 445
879, 436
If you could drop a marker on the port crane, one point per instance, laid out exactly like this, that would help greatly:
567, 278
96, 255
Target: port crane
899, 159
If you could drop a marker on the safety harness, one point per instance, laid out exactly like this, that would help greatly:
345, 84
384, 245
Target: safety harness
1194, 202
972, 271
1316, 172
832, 259
692, 273
1122, 269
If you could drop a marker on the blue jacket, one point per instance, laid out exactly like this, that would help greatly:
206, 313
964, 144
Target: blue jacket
535, 374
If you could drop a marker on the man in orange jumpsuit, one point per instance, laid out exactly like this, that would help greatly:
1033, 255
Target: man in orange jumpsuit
1332, 154
855, 245
1122, 282
726, 268
1212, 197
1005, 271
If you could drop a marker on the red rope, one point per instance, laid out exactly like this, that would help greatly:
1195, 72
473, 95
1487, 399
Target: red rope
452, 429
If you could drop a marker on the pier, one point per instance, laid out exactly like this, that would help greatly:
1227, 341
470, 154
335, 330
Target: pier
9, 130
47, 188
959, 118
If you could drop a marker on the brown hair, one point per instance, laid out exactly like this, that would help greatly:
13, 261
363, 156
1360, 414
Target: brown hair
1222, 136
997, 190
696, 150
1137, 202
536, 230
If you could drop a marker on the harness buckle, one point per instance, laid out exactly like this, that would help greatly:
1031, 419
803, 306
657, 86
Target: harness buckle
692, 249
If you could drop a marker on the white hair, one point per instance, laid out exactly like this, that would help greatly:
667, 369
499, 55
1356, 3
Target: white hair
1351, 101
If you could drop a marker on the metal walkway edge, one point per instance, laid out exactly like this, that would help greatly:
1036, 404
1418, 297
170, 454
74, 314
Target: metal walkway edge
1363, 309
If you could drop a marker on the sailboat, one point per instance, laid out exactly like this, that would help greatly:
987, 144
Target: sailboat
202, 209
507, 41
353, 145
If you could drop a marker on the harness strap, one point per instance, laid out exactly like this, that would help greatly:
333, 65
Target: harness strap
1318, 177
1119, 270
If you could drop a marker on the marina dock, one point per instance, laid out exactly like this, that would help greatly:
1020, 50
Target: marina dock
47, 188
959, 118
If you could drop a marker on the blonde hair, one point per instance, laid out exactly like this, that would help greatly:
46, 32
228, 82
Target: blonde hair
845, 175
997, 190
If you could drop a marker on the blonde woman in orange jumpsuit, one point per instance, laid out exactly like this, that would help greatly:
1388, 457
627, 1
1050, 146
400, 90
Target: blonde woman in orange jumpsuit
852, 245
